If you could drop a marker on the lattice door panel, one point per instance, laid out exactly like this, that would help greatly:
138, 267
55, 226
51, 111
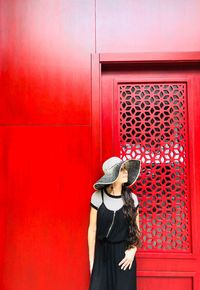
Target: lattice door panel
153, 128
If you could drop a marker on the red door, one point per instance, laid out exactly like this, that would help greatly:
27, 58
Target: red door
151, 113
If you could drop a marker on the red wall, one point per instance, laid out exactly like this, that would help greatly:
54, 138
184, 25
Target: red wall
45, 123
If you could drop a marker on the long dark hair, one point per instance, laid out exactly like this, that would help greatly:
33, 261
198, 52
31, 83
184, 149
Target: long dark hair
130, 212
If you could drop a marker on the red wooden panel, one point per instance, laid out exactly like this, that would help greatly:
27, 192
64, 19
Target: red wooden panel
134, 26
172, 58
107, 121
157, 283
153, 128
47, 174
45, 61
3, 203
119, 82
3, 237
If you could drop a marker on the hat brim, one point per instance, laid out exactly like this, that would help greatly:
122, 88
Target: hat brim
133, 166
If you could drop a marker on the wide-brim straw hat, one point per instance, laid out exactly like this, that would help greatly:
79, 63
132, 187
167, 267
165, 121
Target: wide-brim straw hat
111, 168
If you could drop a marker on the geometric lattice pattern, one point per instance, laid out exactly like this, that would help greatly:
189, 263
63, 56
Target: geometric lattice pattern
153, 128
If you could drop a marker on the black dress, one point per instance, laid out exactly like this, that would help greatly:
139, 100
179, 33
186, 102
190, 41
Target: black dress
110, 247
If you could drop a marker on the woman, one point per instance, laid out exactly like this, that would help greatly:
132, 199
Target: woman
114, 232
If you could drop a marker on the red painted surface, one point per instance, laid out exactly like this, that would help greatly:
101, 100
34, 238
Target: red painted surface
171, 250
49, 116
147, 26
43, 208
43, 75
45, 143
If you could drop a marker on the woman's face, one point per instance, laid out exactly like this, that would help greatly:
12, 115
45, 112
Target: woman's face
123, 175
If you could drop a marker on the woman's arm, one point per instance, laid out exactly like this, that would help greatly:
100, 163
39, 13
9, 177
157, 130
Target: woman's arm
92, 235
137, 219
130, 253
138, 225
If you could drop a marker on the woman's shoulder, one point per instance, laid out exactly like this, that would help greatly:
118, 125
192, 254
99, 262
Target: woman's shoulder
135, 198
96, 199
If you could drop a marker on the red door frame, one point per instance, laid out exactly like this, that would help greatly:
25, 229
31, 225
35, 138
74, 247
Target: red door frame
97, 60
